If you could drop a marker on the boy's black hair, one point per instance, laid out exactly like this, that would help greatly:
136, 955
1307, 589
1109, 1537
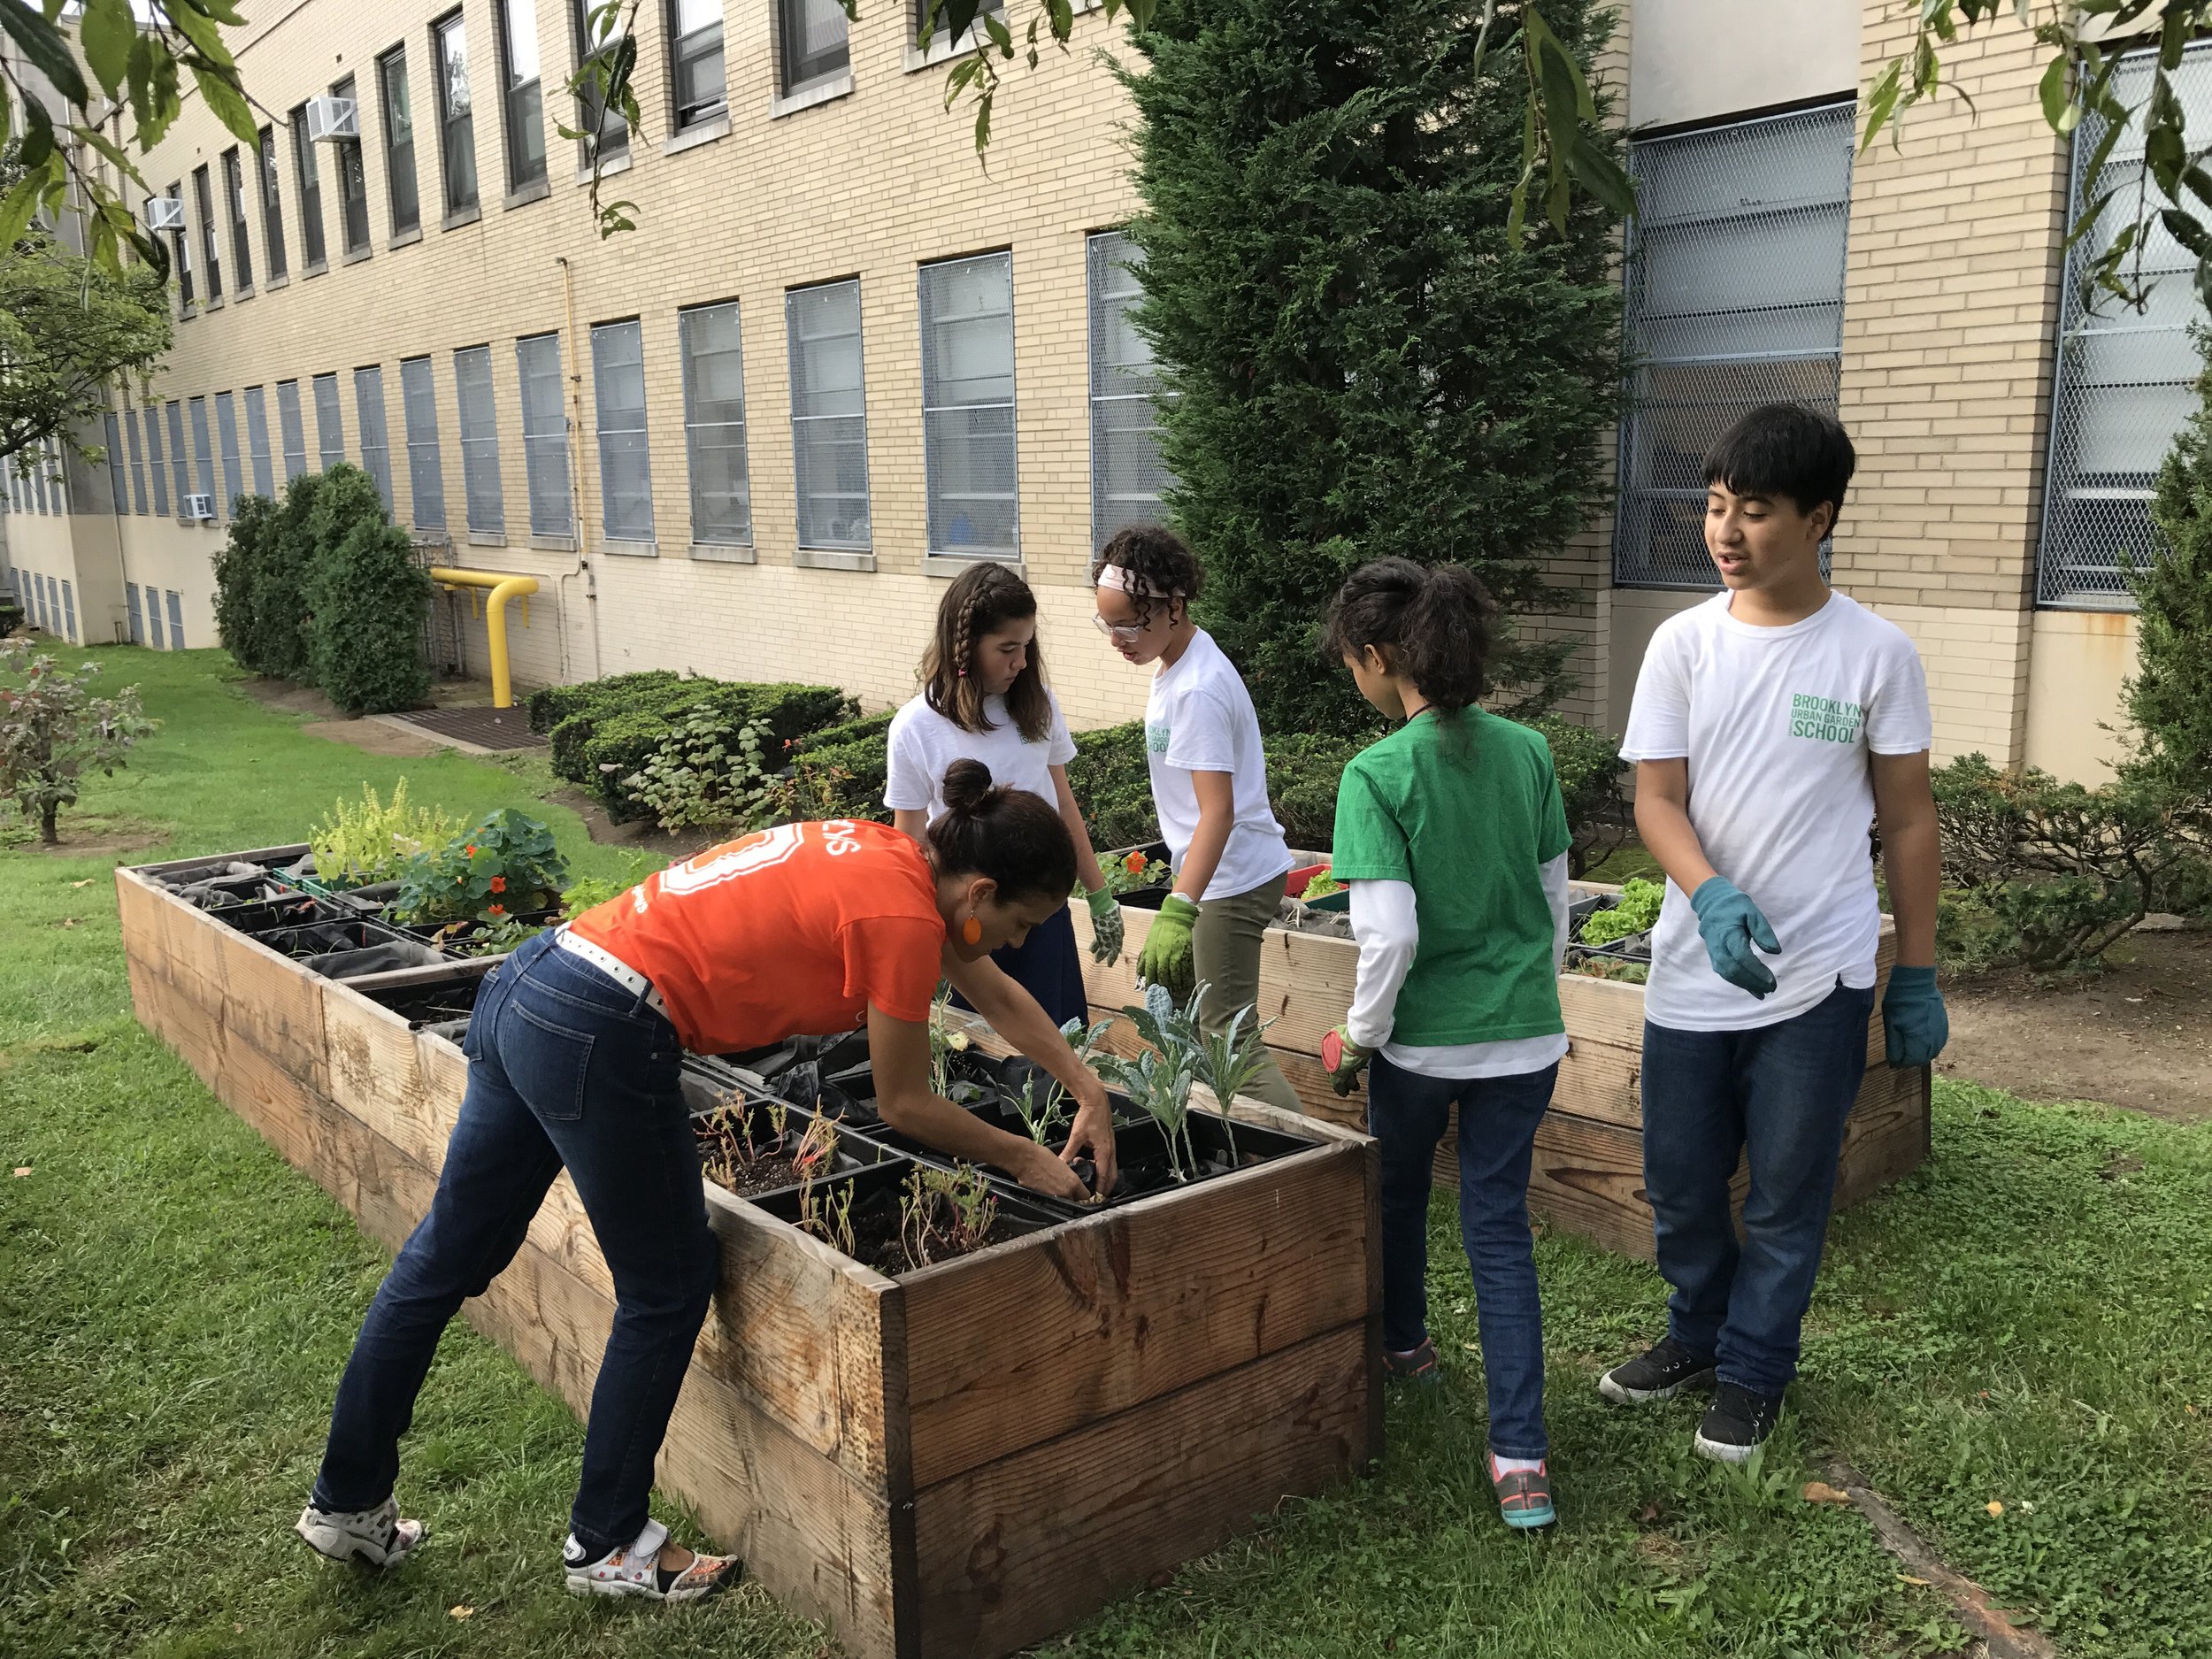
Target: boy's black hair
1785, 450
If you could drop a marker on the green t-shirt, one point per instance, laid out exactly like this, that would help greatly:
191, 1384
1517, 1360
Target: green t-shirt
1466, 809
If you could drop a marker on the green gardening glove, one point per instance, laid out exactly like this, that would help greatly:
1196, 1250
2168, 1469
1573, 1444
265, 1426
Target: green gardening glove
1166, 961
1345, 1059
1106, 926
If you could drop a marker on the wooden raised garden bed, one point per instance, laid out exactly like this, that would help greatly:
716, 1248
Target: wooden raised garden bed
959, 1460
1588, 1177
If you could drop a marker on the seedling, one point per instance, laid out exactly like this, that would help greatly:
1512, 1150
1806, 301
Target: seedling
944, 1043
1042, 1121
1181, 1054
731, 1153
945, 1212
829, 1219
816, 1154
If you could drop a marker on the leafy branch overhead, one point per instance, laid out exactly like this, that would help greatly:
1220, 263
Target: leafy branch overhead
2089, 43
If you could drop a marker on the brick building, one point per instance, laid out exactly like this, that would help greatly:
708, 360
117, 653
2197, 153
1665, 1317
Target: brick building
839, 360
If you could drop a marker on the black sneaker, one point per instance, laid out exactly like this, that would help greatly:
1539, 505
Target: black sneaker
1737, 1423
1660, 1372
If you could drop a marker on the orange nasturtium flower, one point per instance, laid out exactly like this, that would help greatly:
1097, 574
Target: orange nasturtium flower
470, 850
1134, 864
499, 883
499, 910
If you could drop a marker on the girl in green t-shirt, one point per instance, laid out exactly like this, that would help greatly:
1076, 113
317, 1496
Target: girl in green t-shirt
1452, 837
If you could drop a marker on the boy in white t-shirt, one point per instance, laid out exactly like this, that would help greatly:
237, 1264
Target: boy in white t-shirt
1208, 786
1773, 726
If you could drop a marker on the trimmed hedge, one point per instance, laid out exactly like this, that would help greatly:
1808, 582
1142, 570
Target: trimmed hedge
840, 772
552, 704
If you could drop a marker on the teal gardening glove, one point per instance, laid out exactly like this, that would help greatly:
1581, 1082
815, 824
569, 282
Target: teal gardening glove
1106, 926
1345, 1059
1731, 925
1166, 959
1913, 1025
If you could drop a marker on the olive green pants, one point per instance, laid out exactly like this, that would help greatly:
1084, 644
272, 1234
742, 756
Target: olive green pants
1225, 945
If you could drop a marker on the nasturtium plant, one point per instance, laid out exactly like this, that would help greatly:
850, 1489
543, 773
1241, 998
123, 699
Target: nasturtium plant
507, 865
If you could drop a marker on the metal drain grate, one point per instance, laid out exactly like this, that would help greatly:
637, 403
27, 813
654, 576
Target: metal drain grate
484, 726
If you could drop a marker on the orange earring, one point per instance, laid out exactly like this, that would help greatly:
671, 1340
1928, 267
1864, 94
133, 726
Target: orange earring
971, 931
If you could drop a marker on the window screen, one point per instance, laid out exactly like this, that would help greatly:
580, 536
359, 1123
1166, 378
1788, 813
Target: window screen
829, 422
330, 432
272, 204
203, 453
625, 473
813, 35
1127, 480
179, 464
967, 308
257, 440
119, 480
311, 190
291, 429
154, 636
2124, 380
544, 435
176, 623
227, 434
138, 619
150, 418
235, 205
480, 439
425, 480
69, 612
1734, 299
714, 424
399, 142
376, 446
138, 463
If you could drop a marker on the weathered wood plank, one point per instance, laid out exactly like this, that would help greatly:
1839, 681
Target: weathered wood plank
1010, 1552
1023, 1344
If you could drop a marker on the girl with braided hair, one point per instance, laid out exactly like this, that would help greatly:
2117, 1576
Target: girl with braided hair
984, 698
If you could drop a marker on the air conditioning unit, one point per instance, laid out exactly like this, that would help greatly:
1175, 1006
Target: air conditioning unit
200, 508
163, 212
330, 120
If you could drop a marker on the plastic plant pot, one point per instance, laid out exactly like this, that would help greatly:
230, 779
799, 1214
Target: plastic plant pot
1295, 882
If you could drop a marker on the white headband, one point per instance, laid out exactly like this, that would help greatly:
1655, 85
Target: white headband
1123, 579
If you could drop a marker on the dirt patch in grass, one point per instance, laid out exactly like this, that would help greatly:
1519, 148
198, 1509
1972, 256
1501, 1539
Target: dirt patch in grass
375, 737
87, 837
2138, 1035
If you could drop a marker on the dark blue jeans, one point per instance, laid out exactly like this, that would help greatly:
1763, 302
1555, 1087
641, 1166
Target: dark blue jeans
1049, 966
566, 1070
1781, 1093
1498, 1116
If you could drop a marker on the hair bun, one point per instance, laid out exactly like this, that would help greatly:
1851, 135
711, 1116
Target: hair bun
967, 787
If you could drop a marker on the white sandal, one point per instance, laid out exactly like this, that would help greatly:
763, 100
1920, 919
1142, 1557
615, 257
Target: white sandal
636, 1570
377, 1536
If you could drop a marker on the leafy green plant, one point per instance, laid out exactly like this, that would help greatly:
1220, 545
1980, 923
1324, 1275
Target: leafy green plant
839, 772
1588, 766
1180, 1053
1133, 872
1323, 884
497, 938
366, 841
1637, 911
944, 1213
240, 564
704, 775
1044, 1119
588, 892
829, 1216
505, 865
944, 1043
53, 730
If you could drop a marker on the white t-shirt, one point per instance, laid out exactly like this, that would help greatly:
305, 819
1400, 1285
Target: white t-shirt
1199, 718
1777, 726
923, 743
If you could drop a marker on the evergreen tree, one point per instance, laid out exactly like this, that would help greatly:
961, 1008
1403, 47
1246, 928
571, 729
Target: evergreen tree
2171, 697
1355, 364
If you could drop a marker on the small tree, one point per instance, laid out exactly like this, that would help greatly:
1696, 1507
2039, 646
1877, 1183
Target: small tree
368, 596
53, 730
2171, 697
239, 564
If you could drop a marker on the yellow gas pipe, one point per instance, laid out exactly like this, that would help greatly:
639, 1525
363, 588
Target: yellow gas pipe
503, 588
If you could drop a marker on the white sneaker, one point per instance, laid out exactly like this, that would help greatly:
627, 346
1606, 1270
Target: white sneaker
636, 1570
377, 1536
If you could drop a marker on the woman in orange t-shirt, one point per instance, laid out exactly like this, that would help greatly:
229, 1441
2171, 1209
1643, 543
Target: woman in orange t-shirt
575, 1051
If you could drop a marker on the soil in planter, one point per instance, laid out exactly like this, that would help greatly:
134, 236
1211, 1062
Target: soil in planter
772, 1161
876, 1215
436, 1004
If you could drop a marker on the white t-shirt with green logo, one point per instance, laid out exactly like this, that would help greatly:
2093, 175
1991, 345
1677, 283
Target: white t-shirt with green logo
1778, 726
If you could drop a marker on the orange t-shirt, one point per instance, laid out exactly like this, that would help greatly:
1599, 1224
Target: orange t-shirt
795, 930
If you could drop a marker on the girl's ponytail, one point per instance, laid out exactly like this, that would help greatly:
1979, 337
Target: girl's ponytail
1433, 623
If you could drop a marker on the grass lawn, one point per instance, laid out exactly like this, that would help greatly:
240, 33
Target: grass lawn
2025, 1323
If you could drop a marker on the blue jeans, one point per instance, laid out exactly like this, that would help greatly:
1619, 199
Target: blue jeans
1409, 1114
1782, 1093
1049, 966
566, 1069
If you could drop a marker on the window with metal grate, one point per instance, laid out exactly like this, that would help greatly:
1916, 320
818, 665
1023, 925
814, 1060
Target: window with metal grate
291, 429
330, 430
1127, 480
2125, 383
257, 440
479, 440
714, 424
426, 475
544, 435
625, 469
967, 311
119, 480
829, 418
138, 462
376, 444
227, 435
1734, 290
179, 463
202, 451
150, 416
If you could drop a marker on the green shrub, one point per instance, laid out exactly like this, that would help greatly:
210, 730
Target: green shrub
2170, 698
703, 776
552, 704
240, 567
588, 892
365, 841
368, 596
1303, 772
853, 731
1589, 767
280, 633
842, 780
1113, 785
622, 743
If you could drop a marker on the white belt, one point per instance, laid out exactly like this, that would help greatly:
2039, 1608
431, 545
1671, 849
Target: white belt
620, 972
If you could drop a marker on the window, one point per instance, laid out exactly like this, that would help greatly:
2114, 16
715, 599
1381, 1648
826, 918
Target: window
119, 480
592, 116
1734, 298
1127, 479
153, 620
812, 35
353, 184
695, 58
418, 404
625, 473
829, 420
257, 441
138, 620
179, 463
291, 429
376, 445
138, 462
176, 623
311, 192
271, 205
544, 435
69, 612
181, 251
526, 122
2125, 384
227, 435
399, 142
456, 118
38, 479
211, 248
714, 424
479, 440
967, 309
203, 451
150, 418
330, 432
235, 204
